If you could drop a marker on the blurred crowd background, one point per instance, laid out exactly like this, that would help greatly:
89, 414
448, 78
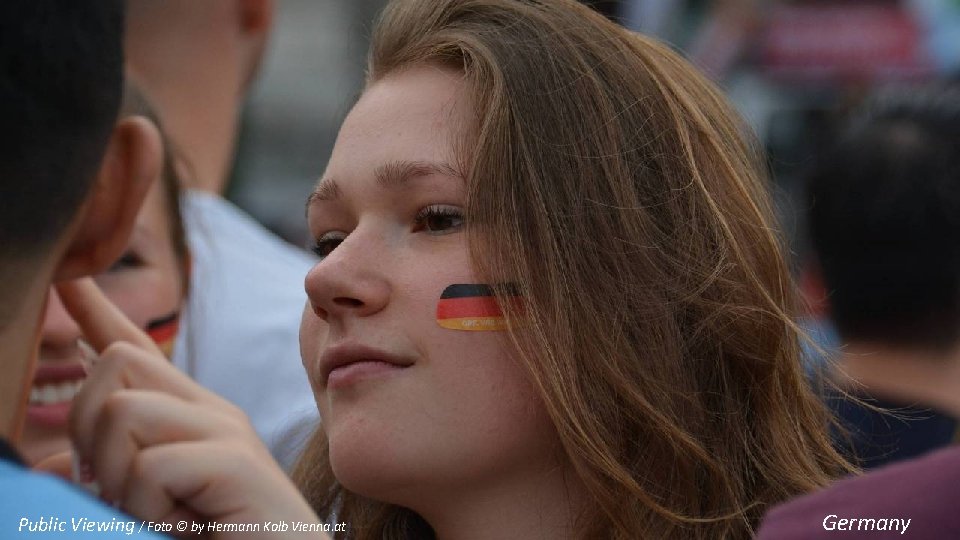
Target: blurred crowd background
793, 68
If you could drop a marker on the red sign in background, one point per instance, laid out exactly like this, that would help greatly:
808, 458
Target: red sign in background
863, 43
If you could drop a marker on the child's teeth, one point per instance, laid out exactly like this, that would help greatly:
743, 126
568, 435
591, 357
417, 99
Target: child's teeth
50, 394
64, 391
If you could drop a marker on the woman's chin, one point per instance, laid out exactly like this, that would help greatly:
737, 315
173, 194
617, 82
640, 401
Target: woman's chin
374, 470
362, 472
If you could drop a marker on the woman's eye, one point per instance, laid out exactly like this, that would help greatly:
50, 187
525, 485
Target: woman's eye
327, 243
126, 261
439, 219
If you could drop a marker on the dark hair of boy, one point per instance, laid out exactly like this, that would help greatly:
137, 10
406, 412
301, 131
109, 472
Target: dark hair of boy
884, 214
60, 87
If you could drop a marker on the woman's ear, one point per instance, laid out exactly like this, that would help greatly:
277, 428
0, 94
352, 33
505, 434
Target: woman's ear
130, 166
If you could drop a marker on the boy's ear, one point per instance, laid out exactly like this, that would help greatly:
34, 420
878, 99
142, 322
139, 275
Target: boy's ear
130, 165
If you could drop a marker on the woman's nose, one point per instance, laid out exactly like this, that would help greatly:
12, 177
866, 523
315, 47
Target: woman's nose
352, 280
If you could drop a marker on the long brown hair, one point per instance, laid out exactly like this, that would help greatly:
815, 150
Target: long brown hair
619, 190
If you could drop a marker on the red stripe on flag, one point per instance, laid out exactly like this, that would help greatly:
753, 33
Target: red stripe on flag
475, 306
164, 332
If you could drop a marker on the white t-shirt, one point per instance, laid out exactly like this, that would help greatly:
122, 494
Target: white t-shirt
239, 331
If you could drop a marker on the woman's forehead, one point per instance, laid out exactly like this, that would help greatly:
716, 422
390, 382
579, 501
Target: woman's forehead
417, 115
423, 96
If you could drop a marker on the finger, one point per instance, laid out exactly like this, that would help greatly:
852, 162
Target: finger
101, 322
145, 494
57, 464
182, 513
210, 478
132, 420
123, 366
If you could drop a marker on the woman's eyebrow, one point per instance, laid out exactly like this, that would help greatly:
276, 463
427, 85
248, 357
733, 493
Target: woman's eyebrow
390, 175
395, 174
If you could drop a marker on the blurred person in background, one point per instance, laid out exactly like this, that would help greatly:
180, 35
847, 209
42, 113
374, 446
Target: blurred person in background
884, 220
194, 62
149, 283
71, 183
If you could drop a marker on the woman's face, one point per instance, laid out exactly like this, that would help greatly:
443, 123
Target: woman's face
145, 284
417, 408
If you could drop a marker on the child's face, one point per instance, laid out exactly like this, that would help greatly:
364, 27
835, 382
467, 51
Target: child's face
387, 218
145, 284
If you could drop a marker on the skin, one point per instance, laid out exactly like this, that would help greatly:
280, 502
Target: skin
458, 435
194, 62
899, 373
145, 284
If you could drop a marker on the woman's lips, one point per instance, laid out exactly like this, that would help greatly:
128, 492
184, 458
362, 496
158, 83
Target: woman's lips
348, 362
349, 374
54, 387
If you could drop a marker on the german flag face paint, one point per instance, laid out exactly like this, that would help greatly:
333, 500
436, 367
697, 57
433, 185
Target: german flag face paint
163, 331
473, 307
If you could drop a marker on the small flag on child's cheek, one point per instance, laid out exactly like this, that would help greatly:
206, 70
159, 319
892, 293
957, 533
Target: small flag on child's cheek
473, 307
163, 331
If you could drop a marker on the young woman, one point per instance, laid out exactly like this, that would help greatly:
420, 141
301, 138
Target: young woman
551, 303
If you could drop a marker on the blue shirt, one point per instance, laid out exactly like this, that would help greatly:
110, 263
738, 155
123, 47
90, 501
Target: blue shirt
34, 505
